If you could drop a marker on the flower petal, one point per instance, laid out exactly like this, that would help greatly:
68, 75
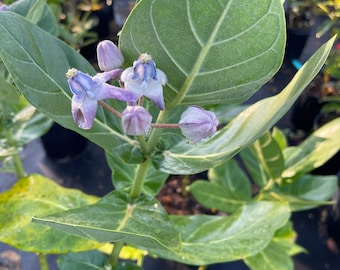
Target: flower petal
104, 91
84, 112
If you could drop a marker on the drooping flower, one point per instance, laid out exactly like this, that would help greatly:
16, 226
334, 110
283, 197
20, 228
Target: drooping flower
144, 79
108, 55
136, 120
197, 124
88, 90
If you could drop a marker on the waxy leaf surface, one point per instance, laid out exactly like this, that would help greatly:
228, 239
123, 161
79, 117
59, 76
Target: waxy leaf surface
37, 195
248, 126
211, 51
37, 62
143, 223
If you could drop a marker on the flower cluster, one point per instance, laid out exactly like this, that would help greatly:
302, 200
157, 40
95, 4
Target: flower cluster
143, 79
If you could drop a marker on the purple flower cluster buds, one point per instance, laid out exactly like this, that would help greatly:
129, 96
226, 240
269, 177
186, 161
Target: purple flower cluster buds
144, 79
197, 124
136, 120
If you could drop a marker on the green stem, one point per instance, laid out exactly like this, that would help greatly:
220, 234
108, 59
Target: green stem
138, 182
19, 168
157, 132
114, 257
143, 145
43, 262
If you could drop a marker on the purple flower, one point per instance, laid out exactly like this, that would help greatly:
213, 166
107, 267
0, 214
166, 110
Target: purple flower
144, 79
136, 120
108, 55
88, 90
4, 7
197, 124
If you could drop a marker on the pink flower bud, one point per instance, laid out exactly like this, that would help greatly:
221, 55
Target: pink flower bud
197, 124
109, 56
136, 120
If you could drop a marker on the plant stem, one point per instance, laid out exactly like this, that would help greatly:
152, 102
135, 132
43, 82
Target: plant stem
138, 182
114, 256
43, 262
109, 108
157, 132
19, 168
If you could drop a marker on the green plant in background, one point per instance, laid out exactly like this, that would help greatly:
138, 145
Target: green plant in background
206, 56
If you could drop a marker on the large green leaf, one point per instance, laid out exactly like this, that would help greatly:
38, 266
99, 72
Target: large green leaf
89, 260
37, 62
213, 239
114, 218
211, 51
245, 128
37, 195
314, 151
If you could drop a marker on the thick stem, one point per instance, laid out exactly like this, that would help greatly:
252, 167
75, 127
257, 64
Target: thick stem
43, 262
114, 256
138, 182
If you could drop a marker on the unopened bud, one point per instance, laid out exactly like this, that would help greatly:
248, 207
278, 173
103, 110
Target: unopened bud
109, 56
136, 120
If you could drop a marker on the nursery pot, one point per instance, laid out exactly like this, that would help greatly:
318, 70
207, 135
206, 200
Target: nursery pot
61, 143
296, 41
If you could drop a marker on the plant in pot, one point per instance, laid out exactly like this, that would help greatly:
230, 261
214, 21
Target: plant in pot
299, 18
156, 121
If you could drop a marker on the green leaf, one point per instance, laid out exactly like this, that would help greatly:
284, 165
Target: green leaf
280, 138
214, 239
308, 191
38, 12
210, 52
143, 223
314, 151
37, 62
37, 195
124, 174
277, 255
246, 128
254, 167
269, 155
228, 189
274, 257
89, 260
29, 124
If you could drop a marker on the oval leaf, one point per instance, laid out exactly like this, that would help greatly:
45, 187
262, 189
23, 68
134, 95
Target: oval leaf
143, 223
210, 52
37, 195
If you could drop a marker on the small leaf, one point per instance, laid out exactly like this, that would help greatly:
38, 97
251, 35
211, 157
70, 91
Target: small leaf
89, 260
123, 175
143, 223
274, 257
308, 191
314, 151
269, 155
37, 195
256, 171
228, 189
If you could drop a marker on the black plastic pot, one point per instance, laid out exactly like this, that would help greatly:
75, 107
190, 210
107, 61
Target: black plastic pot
61, 143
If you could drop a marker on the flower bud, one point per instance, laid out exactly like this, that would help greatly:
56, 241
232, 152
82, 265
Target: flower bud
4, 7
136, 120
109, 56
197, 124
